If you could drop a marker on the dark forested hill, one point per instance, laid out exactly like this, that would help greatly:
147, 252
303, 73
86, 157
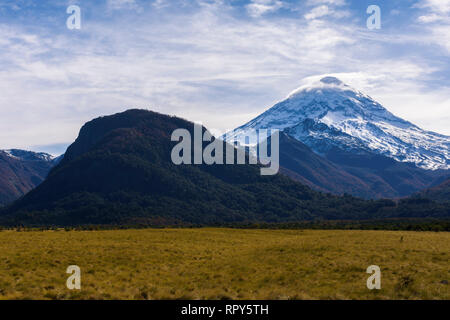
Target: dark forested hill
119, 171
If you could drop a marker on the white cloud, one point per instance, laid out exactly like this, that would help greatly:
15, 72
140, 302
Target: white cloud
329, 2
438, 10
121, 4
317, 12
431, 18
439, 6
325, 10
204, 64
161, 3
437, 21
441, 36
258, 8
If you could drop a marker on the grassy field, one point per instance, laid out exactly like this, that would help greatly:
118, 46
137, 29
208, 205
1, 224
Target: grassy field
224, 264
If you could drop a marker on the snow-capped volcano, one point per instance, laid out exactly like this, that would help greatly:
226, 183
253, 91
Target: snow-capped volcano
330, 114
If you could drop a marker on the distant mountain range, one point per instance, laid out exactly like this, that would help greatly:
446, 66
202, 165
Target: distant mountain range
337, 139
119, 172
21, 171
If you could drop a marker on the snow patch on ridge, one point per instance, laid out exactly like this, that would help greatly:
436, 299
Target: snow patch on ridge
28, 155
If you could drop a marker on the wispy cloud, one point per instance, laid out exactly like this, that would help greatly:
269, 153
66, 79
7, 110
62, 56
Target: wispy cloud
439, 6
257, 8
317, 12
325, 8
201, 60
437, 21
121, 4
437, 11
329, 2
161, 3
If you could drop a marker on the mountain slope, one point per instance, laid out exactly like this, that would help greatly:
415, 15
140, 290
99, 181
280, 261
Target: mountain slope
119, 171
439, 193
364, 175
300, 163
21, 171
329, 114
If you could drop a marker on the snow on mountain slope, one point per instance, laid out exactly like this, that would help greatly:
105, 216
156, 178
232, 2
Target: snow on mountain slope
330, 114
28, 155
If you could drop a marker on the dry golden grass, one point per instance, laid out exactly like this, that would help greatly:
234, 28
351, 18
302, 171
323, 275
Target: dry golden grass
224, 263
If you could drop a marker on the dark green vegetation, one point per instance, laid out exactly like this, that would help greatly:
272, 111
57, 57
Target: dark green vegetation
395, 224
119, 172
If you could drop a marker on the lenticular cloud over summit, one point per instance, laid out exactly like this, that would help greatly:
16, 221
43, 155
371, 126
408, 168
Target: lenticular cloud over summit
327, 113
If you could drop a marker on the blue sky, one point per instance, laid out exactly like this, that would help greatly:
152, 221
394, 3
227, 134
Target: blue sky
221, 62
